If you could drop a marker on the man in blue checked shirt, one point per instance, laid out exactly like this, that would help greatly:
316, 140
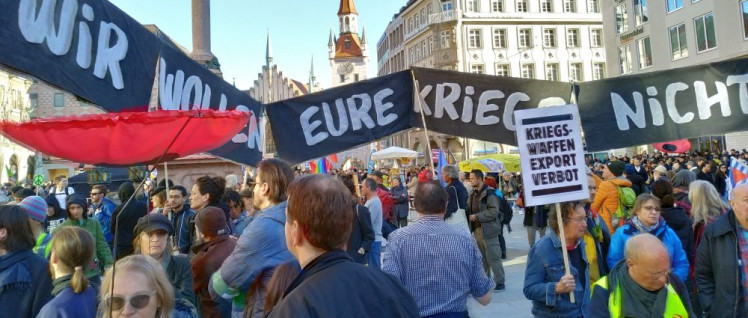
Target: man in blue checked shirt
411, 252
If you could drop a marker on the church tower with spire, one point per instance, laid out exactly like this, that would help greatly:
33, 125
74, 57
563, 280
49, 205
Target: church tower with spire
348, 52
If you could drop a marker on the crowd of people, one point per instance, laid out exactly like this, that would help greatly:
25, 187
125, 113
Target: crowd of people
291, 244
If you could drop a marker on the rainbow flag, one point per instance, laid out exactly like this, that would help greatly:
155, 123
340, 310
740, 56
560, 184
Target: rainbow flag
738, 174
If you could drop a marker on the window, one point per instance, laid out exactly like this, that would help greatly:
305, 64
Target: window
418, 21
598, 71
549, 37
570, 6
476, 68
705, 37
572, 37
525, 38
472, 6
355, 77
431, 44
644, 47
34, 100
528, 71
474, 38
546, 6
497, 6
575, 72
640, 11
446, 5
673, 5
678, 46
593, 6
551, 72
342, 78
521, 5
502, 69
347, 43
499, 38
444, 39
596, 37
744, 7
624, 59
59, 100
622, 18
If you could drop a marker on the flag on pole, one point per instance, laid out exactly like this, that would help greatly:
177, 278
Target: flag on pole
737, 174
442, 163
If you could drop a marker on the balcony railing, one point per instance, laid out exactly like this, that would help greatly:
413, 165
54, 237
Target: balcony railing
446, 16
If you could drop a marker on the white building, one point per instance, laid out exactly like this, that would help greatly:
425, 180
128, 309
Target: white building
18, 163
558, 40
348, 53
646, 36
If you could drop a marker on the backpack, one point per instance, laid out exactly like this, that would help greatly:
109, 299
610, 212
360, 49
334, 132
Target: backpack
626, 200
504, 208
388, 203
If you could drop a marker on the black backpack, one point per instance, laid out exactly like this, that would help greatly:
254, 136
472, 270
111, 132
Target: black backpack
506, 211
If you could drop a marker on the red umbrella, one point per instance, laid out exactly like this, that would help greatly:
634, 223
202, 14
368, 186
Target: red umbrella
127, 138
677, 146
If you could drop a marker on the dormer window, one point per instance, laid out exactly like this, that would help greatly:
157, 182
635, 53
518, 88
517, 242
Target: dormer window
347, 44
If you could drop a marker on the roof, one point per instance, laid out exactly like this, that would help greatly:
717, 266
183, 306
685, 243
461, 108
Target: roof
355, 49
300, 86
347, 7
165, 38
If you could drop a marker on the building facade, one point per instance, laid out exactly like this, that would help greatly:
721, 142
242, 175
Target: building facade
558, 40
18, 163
690, 32
348, 52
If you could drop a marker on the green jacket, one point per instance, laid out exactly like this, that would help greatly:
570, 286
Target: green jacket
103, 256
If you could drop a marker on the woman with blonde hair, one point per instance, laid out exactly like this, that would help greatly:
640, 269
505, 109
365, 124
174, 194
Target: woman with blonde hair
140, 286
706, 206
72, 248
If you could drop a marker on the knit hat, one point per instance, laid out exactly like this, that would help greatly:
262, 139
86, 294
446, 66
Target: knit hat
616, 167
35, 207
79, 200
211, 221
661, 169
152, 222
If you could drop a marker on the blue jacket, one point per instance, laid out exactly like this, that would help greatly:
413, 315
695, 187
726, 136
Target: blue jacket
545, 267
261, 248
182, 222
69, 304
678, 259
103, 212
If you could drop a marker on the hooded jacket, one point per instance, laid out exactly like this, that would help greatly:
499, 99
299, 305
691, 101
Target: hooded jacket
678, 220
56, 219
25, 285
124, 220
678, 259
606, 199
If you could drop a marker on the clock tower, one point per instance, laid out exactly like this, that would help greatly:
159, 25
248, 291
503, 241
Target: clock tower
349, 55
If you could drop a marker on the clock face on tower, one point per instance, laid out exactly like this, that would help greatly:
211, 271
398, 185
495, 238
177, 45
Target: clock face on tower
345, 69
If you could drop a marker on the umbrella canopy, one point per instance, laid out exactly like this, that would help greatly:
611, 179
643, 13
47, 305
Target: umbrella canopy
127, 138
677, 146
394, 153
492, 163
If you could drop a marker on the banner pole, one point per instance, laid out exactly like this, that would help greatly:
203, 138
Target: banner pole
417, 96
563, 244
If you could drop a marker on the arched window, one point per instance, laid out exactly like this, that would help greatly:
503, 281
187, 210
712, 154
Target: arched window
347, 26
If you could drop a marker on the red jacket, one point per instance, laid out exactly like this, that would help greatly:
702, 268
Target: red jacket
207, 260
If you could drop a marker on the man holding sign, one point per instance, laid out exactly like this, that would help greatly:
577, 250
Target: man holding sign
553, 171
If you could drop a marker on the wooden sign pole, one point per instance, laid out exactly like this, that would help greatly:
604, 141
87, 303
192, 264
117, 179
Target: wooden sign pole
559, 217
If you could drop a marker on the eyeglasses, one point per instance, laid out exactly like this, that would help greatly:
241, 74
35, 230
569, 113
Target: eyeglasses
650, 209
578, 220
137, 301
660, 275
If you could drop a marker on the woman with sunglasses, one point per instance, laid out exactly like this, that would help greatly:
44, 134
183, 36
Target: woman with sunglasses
140, 289
647, 219
72, 249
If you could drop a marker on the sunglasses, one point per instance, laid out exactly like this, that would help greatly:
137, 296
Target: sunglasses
137, 301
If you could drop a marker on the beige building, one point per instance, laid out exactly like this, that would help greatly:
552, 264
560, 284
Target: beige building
645, 36
18, 163
559, 40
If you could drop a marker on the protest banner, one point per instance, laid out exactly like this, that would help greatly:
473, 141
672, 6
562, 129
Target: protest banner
553, 169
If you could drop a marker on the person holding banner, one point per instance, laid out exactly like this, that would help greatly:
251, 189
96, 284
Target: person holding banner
546, 283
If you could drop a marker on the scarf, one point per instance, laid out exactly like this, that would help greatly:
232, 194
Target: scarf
643, 228
635, 300
14, 272
60, 284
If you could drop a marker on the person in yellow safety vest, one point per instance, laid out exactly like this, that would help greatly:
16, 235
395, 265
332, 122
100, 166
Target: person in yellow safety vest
641, 285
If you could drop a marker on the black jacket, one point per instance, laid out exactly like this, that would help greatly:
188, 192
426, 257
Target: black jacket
19, 299
332, 277
362, 234
179, 271
124, 220
718, 269
637, 183
678, 220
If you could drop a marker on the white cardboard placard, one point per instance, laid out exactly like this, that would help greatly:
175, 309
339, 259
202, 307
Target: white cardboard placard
552, 155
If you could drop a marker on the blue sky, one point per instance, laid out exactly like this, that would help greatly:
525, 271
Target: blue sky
298, 30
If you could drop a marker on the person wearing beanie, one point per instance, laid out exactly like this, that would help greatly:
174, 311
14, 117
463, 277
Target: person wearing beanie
36, 208
216, 247
77, 208
606, 199
152, 238
55, 214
